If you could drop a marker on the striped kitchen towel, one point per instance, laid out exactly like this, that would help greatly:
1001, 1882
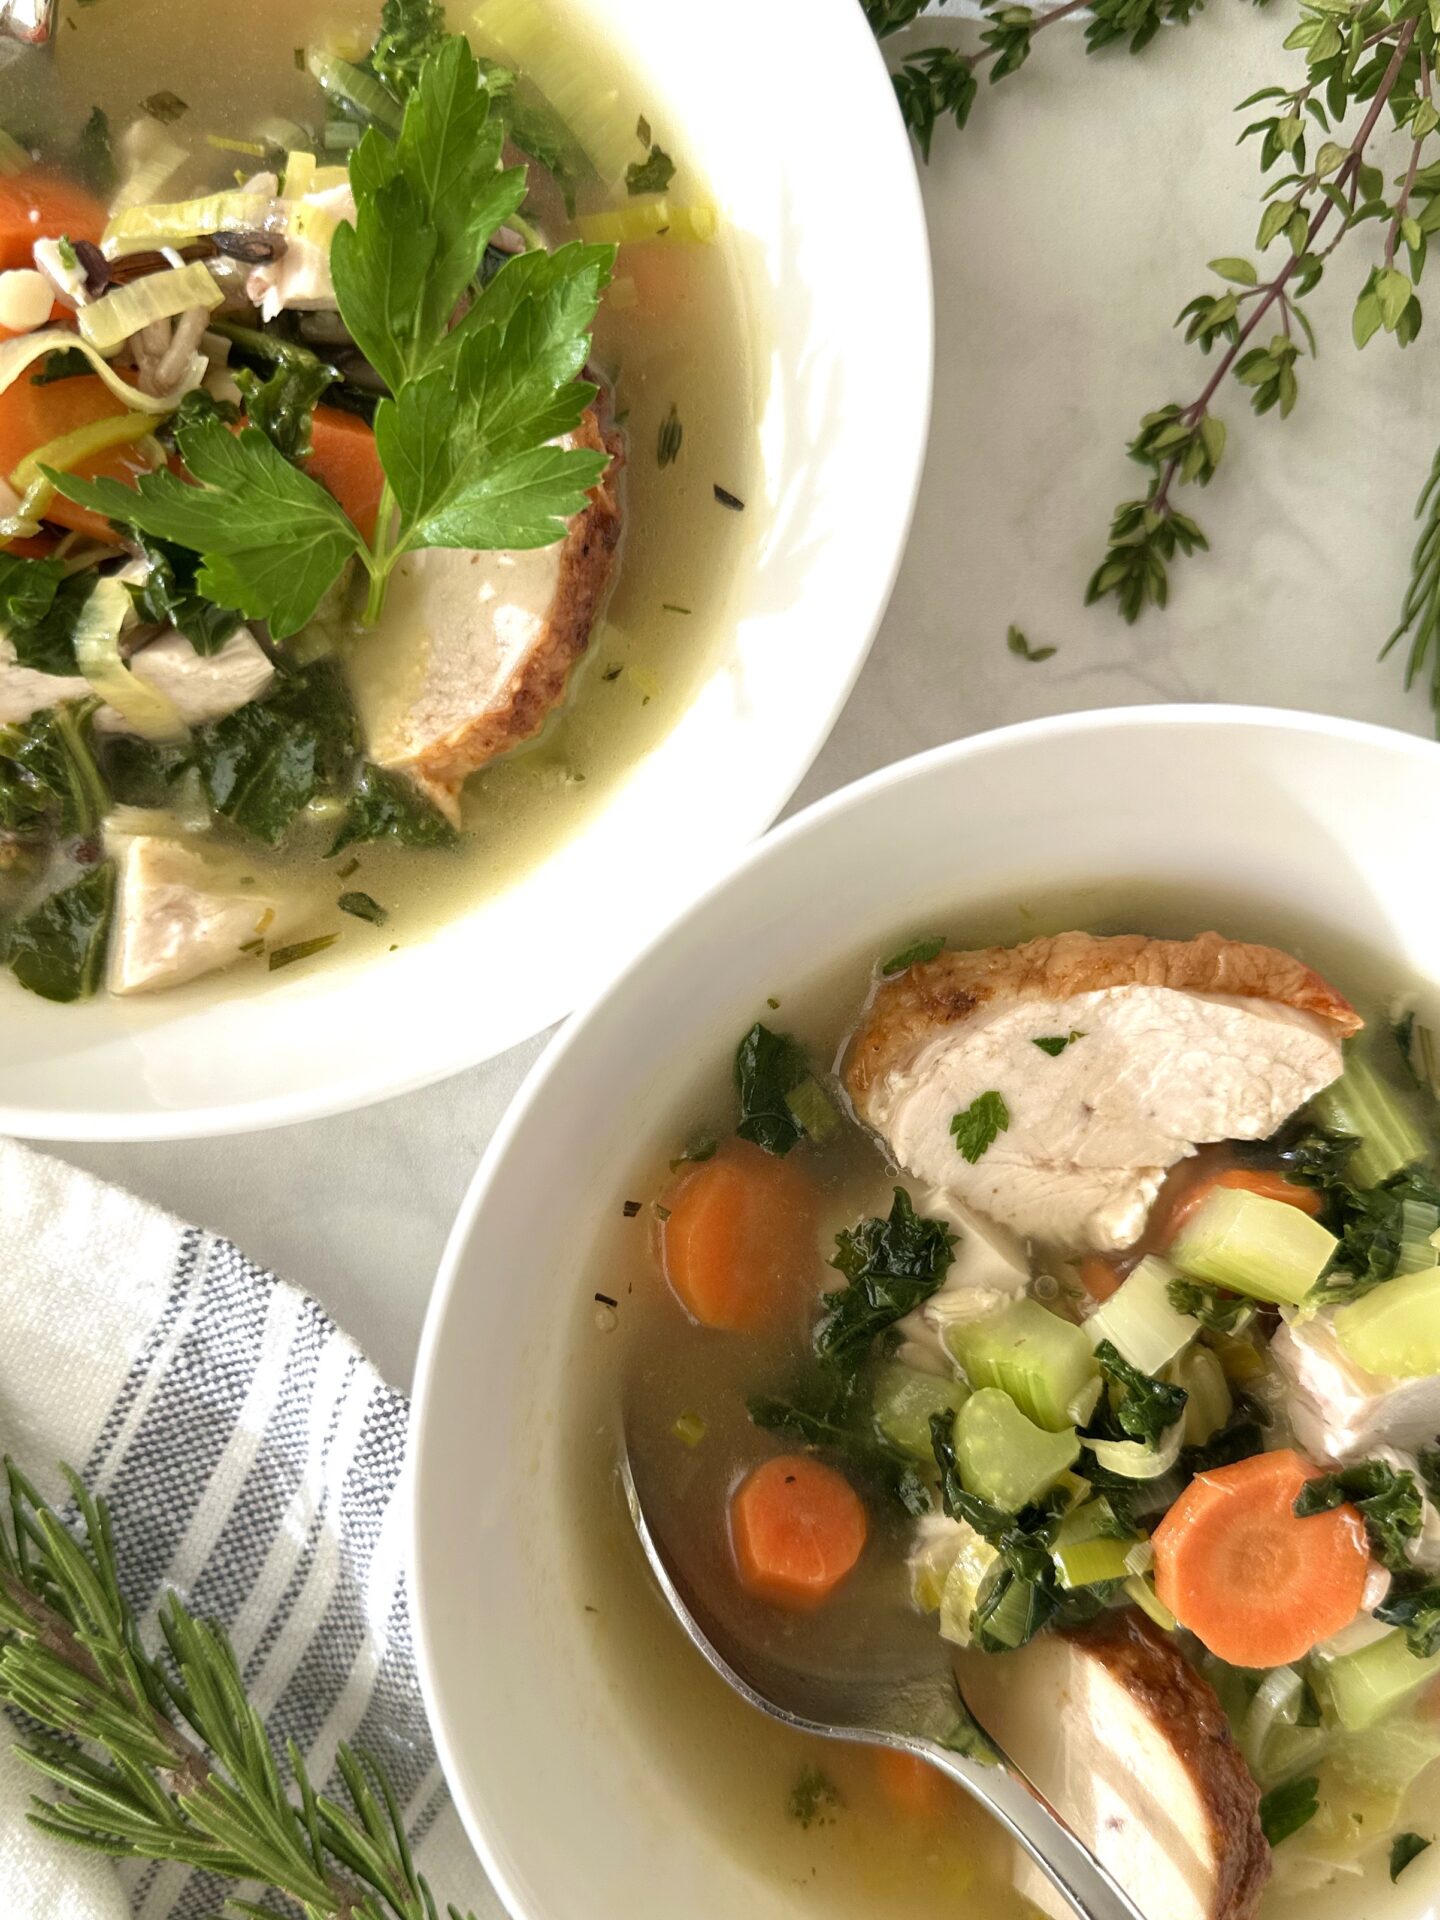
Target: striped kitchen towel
252, 1460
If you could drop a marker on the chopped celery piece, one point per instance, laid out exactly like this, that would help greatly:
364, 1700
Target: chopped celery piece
1209, 1404
1263, 1248
299, 176
1361, 1103
689, 1429
1362, 1687
973, 1572
814, 1110
1137, 1459
1141, 1589
1396, 1329
361, 89
1011, 1622
97, 654
1418, 1224
1005, 1458
1139, 1320
1389, 1758
111, 319
904, 1401
648, 220
1043, 1362
173, 223
1092, 1545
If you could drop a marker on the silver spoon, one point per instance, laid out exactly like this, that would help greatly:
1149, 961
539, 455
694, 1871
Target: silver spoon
918, 1715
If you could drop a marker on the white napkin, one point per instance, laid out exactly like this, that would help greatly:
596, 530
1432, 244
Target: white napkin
252, 1460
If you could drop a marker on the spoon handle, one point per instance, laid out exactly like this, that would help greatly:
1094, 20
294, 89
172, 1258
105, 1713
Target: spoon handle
1066, 1860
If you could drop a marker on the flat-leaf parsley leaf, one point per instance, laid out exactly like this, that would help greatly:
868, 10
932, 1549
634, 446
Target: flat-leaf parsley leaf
977, 1128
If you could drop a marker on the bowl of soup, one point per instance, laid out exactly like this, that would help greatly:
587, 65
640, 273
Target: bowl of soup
449, 490
1001, 1220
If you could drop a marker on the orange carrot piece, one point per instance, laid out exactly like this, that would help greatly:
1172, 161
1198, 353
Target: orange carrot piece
1268, 1182
344, 460
912, 1788
30, 416
43, 206
1257, 1585
739, 1239
1099, 1277
797, 1528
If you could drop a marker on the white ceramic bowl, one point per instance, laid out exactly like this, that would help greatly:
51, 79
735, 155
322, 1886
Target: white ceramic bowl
842, 439
1331, 823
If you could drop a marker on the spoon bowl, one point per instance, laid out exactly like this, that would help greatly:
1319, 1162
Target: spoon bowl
921, 1713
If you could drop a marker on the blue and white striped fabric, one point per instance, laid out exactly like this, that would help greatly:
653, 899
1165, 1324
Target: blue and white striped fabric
252, 1460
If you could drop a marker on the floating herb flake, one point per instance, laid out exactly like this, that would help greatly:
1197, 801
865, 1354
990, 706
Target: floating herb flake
672, 433
630, 1209
1055, 1043
1404, 1848
301, 950
363, 907
814, 1799
642, 131
728, 499
915, 955
1021, 647
166, 107
652, 175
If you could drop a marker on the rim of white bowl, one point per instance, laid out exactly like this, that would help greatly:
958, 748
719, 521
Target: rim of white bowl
756, 807
534, 1088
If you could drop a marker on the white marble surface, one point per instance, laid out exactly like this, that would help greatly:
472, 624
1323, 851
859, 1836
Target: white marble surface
1069, 224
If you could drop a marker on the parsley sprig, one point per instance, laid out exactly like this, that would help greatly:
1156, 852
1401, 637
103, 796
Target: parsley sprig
466, 433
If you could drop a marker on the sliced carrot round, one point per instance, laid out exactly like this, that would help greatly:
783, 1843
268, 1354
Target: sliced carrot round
1256, 1584
739, 1240
30, 416
343, 458
912, 1788
797, 1528
36, 205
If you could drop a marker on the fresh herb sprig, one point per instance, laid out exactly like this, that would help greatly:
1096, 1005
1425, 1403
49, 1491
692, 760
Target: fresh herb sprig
939, 83
162, 1757
1363, 58
466, 434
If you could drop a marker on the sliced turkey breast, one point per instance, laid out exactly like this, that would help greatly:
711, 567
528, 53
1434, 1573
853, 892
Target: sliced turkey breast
201, 687
24, 692
185, 910
1154, 1047
1129, 1744
476, 649
1339, 1411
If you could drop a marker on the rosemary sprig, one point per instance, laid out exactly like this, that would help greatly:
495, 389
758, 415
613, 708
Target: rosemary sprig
1362, 56
939, 83
164, 1758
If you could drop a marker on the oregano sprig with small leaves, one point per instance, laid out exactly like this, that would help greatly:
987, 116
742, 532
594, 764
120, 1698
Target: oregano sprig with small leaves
1363, 59
935, 84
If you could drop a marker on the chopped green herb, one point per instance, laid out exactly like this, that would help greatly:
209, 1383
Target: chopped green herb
1146, 1408
301, 950
668, 606
70, 261
768, 1068
977, 1128
363, 907
772, 1003
642, 131
672, 433
352, 865
814, 1799
1019, 645
728, 499
92, 159
1220, 1312
166, 107
630, 1209
702, 1147
57, 949
652, 175
917, 954
1287, 1808
1389, 1503
891, 1267
1404, 1848
689, 1428
64, 364
612, 673
387, 806
1056, 1043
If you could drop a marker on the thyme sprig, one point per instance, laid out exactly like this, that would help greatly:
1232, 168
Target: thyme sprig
938, 83
164, 1758
1363, 58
